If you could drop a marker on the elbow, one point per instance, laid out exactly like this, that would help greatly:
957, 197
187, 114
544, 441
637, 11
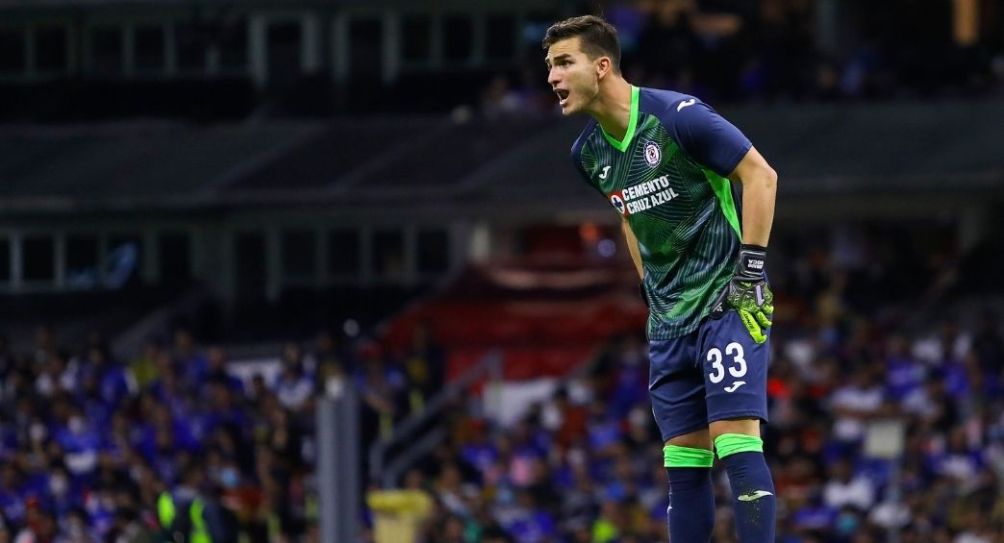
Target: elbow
770, 178
763, 178
756, 176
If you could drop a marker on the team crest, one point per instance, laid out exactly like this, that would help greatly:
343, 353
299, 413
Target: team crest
652, 154
618, 202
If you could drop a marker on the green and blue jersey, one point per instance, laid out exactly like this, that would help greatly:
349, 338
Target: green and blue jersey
668, 178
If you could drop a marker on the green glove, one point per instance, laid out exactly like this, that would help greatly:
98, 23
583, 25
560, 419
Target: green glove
749, 294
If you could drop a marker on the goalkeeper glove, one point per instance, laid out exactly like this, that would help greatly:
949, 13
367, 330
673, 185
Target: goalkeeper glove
749, 294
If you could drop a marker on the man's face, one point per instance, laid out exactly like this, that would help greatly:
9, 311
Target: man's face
573, 76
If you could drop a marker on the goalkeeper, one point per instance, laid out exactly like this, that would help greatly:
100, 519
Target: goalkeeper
664, 160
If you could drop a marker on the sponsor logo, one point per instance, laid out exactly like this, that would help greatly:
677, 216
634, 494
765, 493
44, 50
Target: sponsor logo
685, 103
606, 169
754, 496
735, 386
643, 196
618, 202
652, 154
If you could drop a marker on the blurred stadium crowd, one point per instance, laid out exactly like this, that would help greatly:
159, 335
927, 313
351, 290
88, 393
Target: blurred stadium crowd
90, 445
729, 51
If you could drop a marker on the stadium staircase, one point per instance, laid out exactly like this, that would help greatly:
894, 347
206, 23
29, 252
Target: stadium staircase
505, 323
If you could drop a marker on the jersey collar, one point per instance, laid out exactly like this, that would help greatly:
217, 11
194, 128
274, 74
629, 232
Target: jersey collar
622, 145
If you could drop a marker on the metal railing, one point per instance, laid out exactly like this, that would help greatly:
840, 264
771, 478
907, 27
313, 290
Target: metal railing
389, 470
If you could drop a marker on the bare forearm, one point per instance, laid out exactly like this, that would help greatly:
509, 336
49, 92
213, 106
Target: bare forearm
632, 244
758, 206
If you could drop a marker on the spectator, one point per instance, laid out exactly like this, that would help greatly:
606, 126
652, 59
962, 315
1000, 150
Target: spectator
294, 387
531, 523
855, 403
40, 526
217, 372
499, 100
381, 387
424, 368
609, 526
400, 514
188, 358
905, 375
144, 368
57, 377
845, 488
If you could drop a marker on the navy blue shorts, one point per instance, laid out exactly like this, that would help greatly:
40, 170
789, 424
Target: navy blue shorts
716, 372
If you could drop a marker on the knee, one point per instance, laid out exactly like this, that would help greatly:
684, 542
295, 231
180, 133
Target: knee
749, 427
700, 439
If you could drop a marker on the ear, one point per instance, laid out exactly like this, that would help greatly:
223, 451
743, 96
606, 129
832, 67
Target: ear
603, 67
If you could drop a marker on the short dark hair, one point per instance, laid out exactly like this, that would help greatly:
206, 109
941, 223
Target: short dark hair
598, 37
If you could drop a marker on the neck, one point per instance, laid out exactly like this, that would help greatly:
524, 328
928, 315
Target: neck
612, 106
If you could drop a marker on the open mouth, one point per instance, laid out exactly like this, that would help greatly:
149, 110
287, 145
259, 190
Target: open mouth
562, 96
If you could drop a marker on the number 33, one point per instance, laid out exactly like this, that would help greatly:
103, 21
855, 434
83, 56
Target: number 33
738, 369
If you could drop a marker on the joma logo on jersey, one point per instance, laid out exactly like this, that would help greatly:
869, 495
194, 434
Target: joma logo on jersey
643, 196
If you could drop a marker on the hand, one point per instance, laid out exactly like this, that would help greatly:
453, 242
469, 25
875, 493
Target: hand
749, 294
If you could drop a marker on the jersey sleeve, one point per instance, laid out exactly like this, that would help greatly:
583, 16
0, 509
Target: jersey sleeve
577, 161
577, 148
577, 155
705, 135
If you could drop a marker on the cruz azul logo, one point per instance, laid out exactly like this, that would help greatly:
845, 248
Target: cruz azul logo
652, 153
643, 196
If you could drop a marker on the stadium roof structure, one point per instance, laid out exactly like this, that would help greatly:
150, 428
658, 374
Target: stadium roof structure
476, 167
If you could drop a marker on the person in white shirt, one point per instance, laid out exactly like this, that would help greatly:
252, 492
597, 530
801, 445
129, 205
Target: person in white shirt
844, 488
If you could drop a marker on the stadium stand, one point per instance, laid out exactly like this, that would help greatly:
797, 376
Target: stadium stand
92, 441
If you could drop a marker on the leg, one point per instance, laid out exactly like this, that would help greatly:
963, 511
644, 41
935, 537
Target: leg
736, 380
677, 391
691, 514
741, 450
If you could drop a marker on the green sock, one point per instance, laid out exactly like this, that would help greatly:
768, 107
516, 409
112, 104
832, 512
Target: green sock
675, 456
729, 444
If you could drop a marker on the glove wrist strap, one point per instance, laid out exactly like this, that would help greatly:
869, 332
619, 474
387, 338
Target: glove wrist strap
752, 261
